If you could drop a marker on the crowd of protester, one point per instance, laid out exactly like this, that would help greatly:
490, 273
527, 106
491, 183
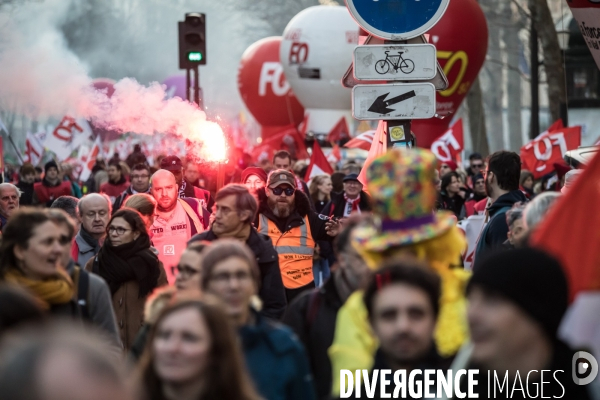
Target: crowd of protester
149, 282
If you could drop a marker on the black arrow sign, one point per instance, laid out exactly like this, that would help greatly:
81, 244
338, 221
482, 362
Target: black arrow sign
380, 105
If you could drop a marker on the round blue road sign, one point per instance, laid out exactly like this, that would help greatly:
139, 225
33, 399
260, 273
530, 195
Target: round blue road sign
397, 19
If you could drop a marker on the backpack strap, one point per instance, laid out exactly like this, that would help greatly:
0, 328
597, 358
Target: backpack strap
192, 214
82, 283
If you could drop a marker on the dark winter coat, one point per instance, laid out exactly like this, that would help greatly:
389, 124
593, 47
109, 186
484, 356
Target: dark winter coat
272, 292
129, 307
26, 189
495, 233
312, 316
454, 204
276, 361
119, 201
137, 157
431, 361
567, 389
335, 208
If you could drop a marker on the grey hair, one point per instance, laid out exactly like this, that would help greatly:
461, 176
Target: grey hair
537, 209
93, 195
514, 214
11, 186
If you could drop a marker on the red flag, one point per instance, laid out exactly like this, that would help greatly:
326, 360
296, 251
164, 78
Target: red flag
378, 147
303, 128
570, 231
539, 155
362, 141
448, 146
339, 131
287, 138
335, 155
318, 163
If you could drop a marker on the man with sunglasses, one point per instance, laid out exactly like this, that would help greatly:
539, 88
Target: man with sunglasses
285, 215
476, 166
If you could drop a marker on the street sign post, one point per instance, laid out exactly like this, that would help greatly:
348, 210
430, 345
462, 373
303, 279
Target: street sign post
397, 19
404, 62
393, 101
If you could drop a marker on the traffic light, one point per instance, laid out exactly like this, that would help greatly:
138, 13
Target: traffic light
192, 41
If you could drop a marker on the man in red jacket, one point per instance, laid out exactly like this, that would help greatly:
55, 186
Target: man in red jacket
117, 183
51, 187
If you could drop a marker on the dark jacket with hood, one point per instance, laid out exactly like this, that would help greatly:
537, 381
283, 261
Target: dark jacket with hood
495, 233
335, 208
271, 291
312, 316
276, 361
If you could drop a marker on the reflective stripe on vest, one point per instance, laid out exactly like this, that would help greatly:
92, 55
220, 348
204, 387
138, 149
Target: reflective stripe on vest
295, 248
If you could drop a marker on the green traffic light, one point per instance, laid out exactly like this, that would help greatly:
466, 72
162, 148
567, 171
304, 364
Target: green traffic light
195, 56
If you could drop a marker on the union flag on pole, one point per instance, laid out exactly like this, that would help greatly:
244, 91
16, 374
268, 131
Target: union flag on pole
339, 131
539, 155
318, 163
362, 141
34, 150
378, 147
448, 146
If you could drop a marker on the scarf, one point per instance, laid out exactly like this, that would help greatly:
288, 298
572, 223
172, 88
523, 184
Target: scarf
89, 239
56, 290
119, 182
182, 189
133, 261
353, 204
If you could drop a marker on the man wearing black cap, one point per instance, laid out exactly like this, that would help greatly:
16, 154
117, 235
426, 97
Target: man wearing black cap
186, 189
284, 214
517, 299
51, 187
352, 200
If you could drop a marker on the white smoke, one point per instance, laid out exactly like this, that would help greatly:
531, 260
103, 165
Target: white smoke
41, 77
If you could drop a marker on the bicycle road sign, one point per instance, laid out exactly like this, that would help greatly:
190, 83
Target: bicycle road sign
393, 101
397, 19
405, 62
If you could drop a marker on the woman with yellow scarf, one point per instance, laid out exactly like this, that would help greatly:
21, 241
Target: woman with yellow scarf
30, 254
402, 188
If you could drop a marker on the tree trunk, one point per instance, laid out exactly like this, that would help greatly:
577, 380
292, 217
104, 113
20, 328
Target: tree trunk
553, 66
477, 119
492, 82
512, 43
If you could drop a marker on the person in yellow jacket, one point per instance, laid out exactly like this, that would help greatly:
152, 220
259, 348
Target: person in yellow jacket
402, 188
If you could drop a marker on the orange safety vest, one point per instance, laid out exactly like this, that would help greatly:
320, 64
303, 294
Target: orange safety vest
295, 247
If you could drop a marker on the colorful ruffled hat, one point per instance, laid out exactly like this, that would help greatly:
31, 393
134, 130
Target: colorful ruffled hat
403, 194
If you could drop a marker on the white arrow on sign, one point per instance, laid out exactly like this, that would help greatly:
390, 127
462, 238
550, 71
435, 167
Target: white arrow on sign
393, 101
403, 62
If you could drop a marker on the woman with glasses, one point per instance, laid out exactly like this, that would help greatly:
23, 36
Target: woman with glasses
189, 267
130, 268
30, 257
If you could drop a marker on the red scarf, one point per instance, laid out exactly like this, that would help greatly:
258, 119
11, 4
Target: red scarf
353, 202
299, 185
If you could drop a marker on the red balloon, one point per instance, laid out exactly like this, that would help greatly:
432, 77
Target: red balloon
263, 86
461, 51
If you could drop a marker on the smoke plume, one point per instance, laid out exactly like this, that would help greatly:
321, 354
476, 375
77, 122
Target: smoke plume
41, 77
